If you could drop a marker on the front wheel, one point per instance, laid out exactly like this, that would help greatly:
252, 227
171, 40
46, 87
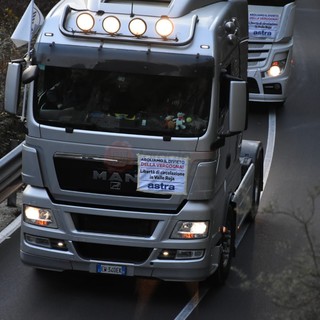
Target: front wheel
227, 251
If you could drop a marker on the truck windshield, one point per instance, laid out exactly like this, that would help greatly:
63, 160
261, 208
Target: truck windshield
107, 101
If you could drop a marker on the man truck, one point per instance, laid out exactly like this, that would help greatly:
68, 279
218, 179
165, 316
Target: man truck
134, 162
271, 25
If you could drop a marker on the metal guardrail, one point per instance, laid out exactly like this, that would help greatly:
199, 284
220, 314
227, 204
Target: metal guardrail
10, 173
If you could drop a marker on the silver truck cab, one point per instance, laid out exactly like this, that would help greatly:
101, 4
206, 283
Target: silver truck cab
134, 162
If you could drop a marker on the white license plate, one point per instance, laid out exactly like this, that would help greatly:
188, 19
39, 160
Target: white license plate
112, 269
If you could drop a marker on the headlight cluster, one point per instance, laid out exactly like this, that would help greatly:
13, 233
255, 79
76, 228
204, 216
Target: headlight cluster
39, 216
278, 65
186, 230
191, 230
137, 26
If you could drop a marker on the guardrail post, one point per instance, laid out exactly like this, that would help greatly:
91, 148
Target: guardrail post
12, 199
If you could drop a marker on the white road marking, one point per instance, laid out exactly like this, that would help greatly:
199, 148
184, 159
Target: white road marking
196, 299
266, 164
193, 303
10, 229
270, 146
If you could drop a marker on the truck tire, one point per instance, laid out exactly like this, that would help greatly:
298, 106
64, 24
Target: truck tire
227, 248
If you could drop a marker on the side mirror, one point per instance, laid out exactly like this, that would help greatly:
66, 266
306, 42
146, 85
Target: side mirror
238, 106
30, 74
12, 87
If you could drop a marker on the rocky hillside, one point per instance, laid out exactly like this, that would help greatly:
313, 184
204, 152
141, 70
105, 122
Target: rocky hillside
11, 128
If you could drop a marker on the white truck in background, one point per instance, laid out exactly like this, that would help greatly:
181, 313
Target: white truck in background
271, 24
134, 161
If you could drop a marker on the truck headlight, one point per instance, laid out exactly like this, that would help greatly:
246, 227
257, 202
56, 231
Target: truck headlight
190, 230
85, 22
278, 65
111, 25
276, 69
39, 216
137, 27
164, 27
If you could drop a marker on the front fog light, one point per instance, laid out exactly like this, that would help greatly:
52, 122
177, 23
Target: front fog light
46, 242
39, 216
191, 230
185, 254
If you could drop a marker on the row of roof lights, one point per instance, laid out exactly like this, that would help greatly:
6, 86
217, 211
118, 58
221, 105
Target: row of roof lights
137, 26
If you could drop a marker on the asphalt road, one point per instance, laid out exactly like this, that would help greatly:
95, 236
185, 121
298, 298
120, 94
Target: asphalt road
269, 246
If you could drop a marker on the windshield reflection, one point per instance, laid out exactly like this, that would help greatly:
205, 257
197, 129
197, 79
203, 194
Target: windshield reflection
123, 102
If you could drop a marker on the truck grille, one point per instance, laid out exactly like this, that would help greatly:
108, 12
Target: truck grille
92, 175
93, 251
114, 225
258, 53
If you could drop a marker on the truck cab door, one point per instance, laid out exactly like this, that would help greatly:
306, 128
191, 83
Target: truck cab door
232, 122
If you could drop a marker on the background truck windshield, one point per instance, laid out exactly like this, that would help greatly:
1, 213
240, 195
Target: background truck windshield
123, 102
274, 3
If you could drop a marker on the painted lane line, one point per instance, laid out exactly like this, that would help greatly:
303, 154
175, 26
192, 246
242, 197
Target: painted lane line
192, 304
196, 299
270, 146
266, 163
10, 229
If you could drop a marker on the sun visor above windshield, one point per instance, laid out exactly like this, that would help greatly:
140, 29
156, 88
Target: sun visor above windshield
146, 62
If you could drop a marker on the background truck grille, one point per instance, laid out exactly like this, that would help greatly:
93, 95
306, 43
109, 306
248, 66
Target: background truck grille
258, 54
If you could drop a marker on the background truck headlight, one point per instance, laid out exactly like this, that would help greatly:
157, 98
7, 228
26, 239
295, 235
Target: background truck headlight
278, 65
191, 230
39, 216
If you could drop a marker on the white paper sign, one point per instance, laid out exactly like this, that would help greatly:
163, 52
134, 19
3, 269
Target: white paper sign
161, 174
263, 25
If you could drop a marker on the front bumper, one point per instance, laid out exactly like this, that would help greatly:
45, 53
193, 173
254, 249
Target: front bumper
272, 90
86, 251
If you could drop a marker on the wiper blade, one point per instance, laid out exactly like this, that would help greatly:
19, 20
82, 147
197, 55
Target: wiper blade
70, 127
